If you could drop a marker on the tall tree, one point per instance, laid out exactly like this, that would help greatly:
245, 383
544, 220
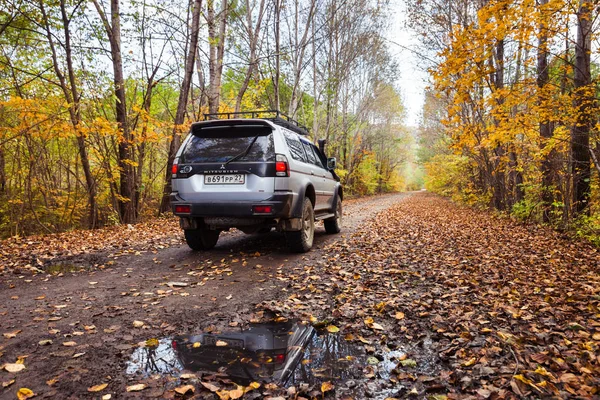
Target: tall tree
70, 90
182, 101
583, 102
127, 210
217, 29
546, 127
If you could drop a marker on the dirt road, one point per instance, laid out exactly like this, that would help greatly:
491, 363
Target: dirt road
75, 329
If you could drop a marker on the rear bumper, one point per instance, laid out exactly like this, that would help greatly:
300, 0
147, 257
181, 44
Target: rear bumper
281, 205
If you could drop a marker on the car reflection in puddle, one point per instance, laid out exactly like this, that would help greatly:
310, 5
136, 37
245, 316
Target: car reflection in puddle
286, 353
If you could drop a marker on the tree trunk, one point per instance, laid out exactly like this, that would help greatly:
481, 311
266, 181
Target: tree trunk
2, 171
165, 204
216, 42
71, 93
583, 99
277, 51
127, 212
499, 176
253, 35
546, 127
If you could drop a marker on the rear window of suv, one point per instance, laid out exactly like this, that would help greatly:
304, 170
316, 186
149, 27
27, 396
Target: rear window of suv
222, 143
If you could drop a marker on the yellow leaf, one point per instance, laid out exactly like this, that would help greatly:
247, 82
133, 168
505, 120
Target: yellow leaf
326, 386
469, 362
138, 324
25, 393
399, 315
70, 344
98, 388
184, 389
136, 388
596, 336
152, 342
196, 345
221, 343
223, 394
236, 394
107, 396
332, 329
254, 385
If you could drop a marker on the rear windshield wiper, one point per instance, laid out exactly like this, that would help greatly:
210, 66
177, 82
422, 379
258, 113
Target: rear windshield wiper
243, 153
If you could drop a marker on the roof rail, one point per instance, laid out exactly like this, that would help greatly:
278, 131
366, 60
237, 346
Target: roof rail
277, 117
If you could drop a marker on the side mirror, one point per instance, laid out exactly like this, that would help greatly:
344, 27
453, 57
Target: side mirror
331, 163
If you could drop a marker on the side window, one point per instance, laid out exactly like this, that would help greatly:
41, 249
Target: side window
296, 148
309, 153
319, 162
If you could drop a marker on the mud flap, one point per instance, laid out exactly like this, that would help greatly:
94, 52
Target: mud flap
290, 225
188, 223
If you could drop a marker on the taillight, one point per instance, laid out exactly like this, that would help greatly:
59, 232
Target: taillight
262, 209
282, 168
183, 209
280, 358
174, 168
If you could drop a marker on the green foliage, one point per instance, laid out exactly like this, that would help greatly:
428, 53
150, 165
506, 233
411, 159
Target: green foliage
449, 175
588, 227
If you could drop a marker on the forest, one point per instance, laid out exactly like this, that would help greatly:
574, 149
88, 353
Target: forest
96, 96
510, 120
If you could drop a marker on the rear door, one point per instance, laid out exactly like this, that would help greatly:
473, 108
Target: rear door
228, 161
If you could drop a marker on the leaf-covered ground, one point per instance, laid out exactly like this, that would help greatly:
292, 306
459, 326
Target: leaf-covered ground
485, 307
438, 301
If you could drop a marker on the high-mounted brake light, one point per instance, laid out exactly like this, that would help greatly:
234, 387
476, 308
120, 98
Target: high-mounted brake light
282, 167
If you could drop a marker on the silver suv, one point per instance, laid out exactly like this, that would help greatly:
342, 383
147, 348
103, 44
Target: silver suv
253, 174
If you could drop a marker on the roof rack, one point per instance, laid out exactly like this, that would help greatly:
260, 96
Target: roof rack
277, 117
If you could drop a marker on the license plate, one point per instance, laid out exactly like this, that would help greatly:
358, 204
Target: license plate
232, 343
224, 179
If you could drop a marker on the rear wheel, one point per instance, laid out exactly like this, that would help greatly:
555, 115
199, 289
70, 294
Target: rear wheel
201, 238
301, 241
334, 224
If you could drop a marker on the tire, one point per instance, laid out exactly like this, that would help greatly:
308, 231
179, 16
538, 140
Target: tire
334, 224
263, 231
302, 240
201, 238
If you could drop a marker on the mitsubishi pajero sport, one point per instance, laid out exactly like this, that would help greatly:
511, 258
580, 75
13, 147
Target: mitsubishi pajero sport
253, 174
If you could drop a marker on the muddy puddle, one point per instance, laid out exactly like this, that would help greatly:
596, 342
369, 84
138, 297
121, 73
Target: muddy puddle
285, 353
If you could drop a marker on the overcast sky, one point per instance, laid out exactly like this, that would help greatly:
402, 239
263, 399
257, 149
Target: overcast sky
413, 79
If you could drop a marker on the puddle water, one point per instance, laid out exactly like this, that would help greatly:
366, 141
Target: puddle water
287, 353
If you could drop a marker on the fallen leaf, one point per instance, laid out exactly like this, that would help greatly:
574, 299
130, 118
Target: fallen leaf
332, 329
326, 386
184, 389
136, 388
16, 367
10, 335
210, 386
399, 315
45, 342
98, 388
152, 342
70, 344
8, 383
138, 324
107, 396
221, 343
25, 393
187, 376
236, 393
